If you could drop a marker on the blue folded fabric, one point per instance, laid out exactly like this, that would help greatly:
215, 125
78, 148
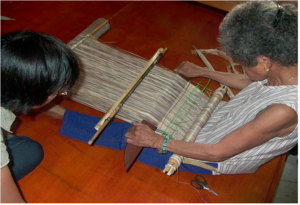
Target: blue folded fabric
80, 127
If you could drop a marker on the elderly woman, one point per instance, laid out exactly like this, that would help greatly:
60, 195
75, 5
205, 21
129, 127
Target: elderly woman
260, 122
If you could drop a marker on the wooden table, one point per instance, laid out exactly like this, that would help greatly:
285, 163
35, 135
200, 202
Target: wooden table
73, 171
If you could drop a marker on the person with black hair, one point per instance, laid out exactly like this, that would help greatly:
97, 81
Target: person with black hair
35, 68
261, 121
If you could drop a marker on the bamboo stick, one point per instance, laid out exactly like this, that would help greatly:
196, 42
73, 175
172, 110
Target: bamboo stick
118, 104
199, 164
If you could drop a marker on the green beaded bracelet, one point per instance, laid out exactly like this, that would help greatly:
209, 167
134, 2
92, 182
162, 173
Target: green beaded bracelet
163, 145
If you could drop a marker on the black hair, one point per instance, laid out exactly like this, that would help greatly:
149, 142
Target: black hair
34, 66
248, 31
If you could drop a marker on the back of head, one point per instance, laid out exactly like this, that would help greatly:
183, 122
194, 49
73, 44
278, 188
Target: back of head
34, 66
248, 31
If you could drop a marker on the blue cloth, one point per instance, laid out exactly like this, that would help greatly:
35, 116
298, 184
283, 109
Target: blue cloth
24, 155
81, 127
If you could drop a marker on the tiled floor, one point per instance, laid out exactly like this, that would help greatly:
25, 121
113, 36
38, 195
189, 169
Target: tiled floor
287, 189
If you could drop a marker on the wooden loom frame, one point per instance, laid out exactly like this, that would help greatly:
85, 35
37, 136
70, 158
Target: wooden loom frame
131, 151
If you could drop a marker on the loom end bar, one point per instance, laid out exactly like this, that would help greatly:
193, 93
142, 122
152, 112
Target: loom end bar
96, 29
173, 164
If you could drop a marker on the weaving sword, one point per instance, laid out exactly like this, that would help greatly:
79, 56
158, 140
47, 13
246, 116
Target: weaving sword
122, 99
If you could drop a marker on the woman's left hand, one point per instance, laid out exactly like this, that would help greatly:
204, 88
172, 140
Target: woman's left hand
142, 135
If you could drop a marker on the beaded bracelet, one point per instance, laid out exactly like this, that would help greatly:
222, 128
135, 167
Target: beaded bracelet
163, 145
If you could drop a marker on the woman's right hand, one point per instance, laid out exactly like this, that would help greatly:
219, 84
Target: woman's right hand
190, 70
141, 135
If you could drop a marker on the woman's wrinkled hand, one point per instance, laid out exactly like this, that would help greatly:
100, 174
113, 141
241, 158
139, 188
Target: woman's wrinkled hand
190, 70
142, 135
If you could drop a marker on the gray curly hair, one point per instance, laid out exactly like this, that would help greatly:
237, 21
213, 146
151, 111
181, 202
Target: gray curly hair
247, 32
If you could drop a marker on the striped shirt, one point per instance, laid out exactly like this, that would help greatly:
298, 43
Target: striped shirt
240, 110
7, 118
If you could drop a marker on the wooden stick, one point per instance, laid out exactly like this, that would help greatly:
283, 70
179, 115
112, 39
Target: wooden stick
118, 104
209, 66
199, 164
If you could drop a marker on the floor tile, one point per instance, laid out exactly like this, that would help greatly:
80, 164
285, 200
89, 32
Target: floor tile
287, 189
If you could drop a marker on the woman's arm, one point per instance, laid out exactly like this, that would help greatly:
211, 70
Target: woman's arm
9, 190
236, 81
275, 120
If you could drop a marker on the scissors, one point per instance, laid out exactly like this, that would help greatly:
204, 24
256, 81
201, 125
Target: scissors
199, 183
